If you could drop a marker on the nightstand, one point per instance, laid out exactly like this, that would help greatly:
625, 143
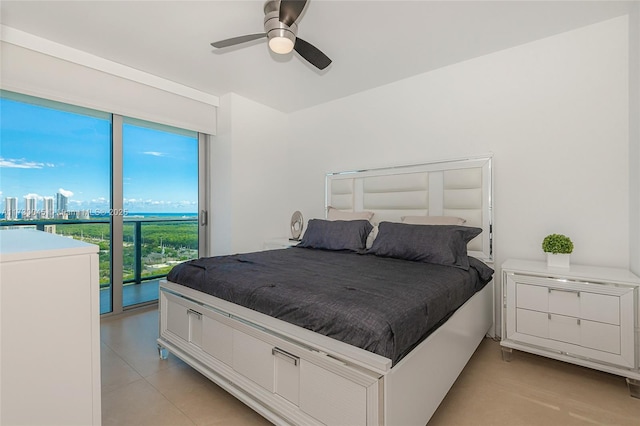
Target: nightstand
279, 243
584, 315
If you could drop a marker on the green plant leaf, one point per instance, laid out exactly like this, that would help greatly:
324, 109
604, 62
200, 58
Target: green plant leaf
557, 243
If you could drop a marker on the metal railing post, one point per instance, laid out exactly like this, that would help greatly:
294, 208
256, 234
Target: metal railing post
137, 238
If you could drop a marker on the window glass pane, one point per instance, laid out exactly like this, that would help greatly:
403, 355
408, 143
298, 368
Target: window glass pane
55, 173
160, 199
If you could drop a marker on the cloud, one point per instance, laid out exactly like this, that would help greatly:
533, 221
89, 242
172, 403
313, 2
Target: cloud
21, 163
155, 153
66, 193
32, 195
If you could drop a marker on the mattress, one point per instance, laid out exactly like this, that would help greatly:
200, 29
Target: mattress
384, 305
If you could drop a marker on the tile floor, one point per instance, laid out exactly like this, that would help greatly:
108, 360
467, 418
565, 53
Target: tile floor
140, 389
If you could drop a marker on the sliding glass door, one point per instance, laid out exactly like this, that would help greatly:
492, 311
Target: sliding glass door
160, 201
55, 173
131, 187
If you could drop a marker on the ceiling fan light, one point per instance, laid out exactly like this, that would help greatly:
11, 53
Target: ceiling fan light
281, 45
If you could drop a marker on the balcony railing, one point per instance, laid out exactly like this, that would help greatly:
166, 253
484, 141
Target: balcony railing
176, 239
151, 245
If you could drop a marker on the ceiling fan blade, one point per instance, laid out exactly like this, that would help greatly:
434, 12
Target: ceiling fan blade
237, 40
290, 10
312, 54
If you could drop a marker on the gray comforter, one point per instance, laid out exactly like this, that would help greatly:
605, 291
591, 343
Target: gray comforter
384, 305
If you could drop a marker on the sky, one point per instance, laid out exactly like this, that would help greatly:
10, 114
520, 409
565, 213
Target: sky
45, 151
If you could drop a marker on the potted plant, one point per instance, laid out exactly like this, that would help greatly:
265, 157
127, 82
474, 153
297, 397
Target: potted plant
558, 248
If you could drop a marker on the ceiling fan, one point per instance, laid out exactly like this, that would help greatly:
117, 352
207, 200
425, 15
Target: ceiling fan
281, 29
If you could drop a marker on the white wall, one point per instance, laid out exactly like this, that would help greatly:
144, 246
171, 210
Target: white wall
634, 137
248, 176
553, 112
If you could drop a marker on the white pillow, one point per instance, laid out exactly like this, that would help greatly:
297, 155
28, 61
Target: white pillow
371, 237
433, 220
335, 214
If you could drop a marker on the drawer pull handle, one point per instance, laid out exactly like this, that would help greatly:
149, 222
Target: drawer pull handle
577, 319
285, 355
196, 313
576, 292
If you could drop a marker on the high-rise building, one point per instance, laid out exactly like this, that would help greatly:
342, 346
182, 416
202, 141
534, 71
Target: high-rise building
11, 208
61, 204
30, 208
47, 208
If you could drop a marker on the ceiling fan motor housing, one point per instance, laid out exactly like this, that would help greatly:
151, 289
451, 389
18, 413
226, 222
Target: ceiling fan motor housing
272, 25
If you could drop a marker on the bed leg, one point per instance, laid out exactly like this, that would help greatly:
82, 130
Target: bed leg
163, 352
506, 354
634, 387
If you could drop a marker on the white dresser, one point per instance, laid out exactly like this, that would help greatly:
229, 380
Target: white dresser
584, 315
49, 330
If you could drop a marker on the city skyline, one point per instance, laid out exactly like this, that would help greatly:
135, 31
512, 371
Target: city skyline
49, 209
47, 151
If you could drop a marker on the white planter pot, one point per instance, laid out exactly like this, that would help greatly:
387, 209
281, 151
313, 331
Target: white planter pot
560, 260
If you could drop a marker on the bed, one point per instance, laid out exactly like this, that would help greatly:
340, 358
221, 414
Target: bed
387, 336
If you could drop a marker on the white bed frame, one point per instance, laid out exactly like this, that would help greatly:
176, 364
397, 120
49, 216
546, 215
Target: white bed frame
291, 375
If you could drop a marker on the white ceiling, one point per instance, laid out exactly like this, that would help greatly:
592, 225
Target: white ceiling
371, 43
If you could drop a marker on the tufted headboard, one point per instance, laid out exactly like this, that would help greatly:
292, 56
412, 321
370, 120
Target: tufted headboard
459, 188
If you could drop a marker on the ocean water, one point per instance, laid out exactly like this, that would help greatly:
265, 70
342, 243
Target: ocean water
191, 215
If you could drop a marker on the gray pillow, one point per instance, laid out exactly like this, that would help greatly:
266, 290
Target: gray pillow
441, 244
336, 234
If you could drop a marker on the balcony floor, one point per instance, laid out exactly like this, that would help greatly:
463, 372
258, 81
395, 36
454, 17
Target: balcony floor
132, 294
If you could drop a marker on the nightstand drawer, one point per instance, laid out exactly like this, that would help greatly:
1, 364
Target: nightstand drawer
532, 297
555, 327
600, 307
569, 302
599, 336
532, 323
564, 329
564, 302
